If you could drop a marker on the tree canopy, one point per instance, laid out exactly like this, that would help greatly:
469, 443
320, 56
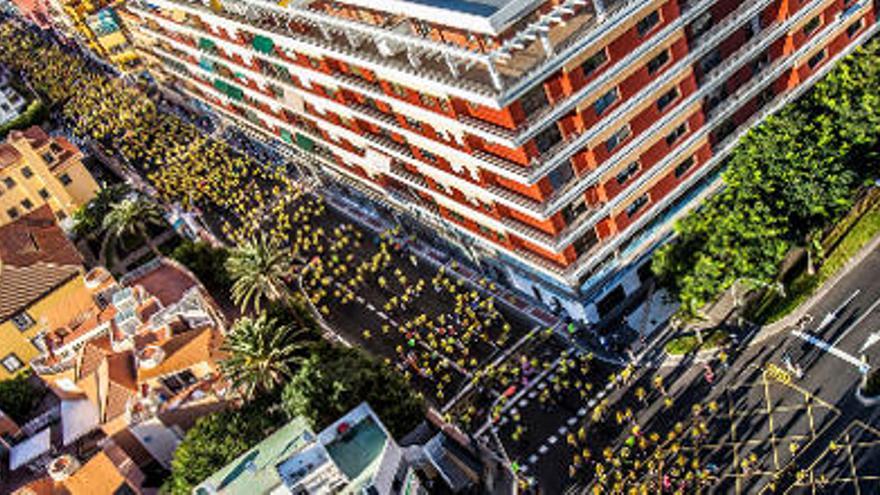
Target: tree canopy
333, 380
786, 181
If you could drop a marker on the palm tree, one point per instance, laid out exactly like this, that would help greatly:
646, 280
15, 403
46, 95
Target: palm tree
259, 270
262, 354
133, 216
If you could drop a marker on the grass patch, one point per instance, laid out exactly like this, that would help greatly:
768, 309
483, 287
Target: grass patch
685, 344
772, 308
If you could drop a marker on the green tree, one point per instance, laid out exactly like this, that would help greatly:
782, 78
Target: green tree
134, 216
88, 219
259, 269
333, 380
19, 397
208, 263
262, 354
216, 440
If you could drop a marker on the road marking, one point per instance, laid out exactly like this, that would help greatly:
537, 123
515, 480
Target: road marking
371, 307
382, 315
870, 341
862, 366
858, 320
359, 299
833, 315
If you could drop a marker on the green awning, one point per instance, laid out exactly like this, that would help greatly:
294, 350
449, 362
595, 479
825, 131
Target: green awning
206, 44
263, 44
206, 64
305, 142
286, 136
220, 84
234, 93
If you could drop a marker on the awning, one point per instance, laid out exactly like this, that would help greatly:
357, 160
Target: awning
79, 417
207, 44
206, 64
30, 449
286, 136
263, 44
305, 142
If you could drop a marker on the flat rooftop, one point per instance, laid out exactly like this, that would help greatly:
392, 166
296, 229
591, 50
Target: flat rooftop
481, 16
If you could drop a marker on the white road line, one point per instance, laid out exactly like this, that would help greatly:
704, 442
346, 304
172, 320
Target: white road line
863, 367
371, 307
858, 320
359, 299
382, 315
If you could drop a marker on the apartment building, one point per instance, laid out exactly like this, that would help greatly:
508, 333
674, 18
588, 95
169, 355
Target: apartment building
555, 140
37, 169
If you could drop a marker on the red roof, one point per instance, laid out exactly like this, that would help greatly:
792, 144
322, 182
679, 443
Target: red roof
34, 238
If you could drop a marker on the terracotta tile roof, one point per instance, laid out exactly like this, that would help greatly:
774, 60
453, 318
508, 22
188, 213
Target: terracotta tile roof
35, 258
98, 476
108, 379
133, 447
167, 283
35, 238
8, 155
183, 351
35, 135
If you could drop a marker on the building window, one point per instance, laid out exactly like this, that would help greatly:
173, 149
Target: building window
60, 215
560, 177
413, 123
657, 62
534, 100
586, 241
12, 213
816, 59
427, 155
676, 133
594, 62
12, 363
684, 166
27, 173
618, 137
179, 381
455, 216
605, 101
855, 27
27, 204
397, 89
667, 98
427, 100
22, 321
9, 182
702, 24
648, 22
65, 179
548, 138
573, 211
710, 61
627, 173
637, 205
812, 25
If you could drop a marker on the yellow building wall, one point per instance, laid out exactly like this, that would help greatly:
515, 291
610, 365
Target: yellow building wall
61, 198
57, 309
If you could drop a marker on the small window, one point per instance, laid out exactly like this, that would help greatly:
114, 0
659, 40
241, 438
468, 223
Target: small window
702, 24
427, 155
816, 59
27, 173
597, 60
683, 167
179, 381
12, 213
48, 157
27, 204
534, 100
398, 90
627, 173
561, 175
618, 137
637, 205
65, 179
657, 62
60, 215
648, 22
605, 101
586, 241
22, 321
676, 133
415, 124
43, 193
813, 24
427, 100
12, 363
667, 98
548, 138
855, 28
9, 182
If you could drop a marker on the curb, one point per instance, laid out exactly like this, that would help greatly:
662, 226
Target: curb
865, 400
790, 319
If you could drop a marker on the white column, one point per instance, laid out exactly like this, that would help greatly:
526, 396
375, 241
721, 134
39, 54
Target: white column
545, 43
493, 73
599, 7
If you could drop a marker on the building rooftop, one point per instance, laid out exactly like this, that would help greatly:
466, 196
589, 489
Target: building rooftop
35, 258
255, 472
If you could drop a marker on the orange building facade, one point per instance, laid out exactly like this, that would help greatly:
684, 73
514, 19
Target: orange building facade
556, 140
